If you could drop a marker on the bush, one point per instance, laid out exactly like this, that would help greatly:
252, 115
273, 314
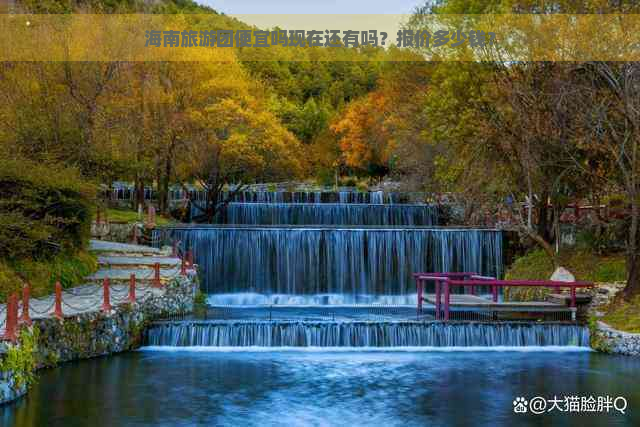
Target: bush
9, 281
70, 270
603, 238
45, 224
44, 210
326, 177
200, 298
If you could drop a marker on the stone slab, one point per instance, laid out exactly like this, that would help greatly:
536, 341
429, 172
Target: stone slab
114, 261
104, 246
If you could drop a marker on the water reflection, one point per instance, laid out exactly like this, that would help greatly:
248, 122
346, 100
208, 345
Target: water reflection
323, 388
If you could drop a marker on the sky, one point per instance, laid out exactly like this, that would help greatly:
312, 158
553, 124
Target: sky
242, 7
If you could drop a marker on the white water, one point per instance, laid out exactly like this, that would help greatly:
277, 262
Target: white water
257, 349
327, 214
362, 334
252, 299
334, 261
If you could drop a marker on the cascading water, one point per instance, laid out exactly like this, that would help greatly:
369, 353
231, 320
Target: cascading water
329, 214
340, 248
363, 334
351, 197
347, 265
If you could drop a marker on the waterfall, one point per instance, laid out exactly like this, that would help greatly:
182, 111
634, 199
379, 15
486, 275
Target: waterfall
363, 334
329, 214
349, 197
352, 262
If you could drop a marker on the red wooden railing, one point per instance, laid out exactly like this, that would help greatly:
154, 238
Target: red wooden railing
12, 320
445, 281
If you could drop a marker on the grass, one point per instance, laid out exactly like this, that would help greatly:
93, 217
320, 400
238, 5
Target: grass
624, 316
582, 263
70, 270
131, 216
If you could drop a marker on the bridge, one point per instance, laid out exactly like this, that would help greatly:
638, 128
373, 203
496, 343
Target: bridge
443, 299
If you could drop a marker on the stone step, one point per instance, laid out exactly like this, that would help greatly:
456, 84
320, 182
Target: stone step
145, 262
143, 275
565, 299
122, 249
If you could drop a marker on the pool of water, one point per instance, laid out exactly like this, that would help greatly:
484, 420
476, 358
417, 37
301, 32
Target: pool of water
201, 387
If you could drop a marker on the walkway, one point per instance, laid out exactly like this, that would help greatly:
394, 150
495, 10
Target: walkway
117, 262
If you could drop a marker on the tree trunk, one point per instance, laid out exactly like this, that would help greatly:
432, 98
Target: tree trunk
139, 193
633, 253
633, 277
163, 193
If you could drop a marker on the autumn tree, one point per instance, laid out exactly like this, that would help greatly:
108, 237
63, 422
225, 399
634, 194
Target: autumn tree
234, 142
608, 98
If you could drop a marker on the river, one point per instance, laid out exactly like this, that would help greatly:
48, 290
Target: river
203, 387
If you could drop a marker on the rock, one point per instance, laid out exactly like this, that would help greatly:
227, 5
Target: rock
603, 291
562, 275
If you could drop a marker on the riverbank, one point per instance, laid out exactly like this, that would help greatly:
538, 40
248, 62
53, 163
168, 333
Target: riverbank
609, 340
93, 331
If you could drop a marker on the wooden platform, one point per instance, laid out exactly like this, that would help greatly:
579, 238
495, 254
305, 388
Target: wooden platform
471, 302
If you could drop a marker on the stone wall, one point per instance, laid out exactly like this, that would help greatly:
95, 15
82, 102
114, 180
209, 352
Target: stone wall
609, 340
9, 390
112, 231
95, 334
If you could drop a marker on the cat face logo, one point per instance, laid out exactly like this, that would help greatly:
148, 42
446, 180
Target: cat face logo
520, 405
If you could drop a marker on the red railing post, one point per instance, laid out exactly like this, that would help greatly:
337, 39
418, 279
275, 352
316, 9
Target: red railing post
437, 286
190, 257
573, 296
132, 288
25, 318
494, 291
57, 312
156, 275
446, 300
419, 284
183, 266
106, 297
11, 321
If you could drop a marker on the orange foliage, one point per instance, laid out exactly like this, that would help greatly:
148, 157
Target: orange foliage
363, 132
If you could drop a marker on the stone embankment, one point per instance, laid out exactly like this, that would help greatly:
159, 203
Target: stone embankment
89, 329
605, 338
610, 340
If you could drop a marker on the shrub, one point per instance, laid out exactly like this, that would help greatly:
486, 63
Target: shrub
200, 298
69, 269
44, 209
326, 177
603, 238
9, 281
20, 359
45, 223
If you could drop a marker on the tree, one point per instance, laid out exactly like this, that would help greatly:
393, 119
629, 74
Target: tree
609, 97
362, 134
234, 142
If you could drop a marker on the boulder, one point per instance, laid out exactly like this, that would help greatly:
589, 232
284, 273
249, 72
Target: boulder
562, 275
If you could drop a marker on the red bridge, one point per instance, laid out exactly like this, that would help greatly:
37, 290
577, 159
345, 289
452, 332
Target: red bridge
444, 282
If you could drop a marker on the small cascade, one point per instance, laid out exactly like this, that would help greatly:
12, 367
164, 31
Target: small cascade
351, 262
328, 247
364, 334
329, 214
347, 197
